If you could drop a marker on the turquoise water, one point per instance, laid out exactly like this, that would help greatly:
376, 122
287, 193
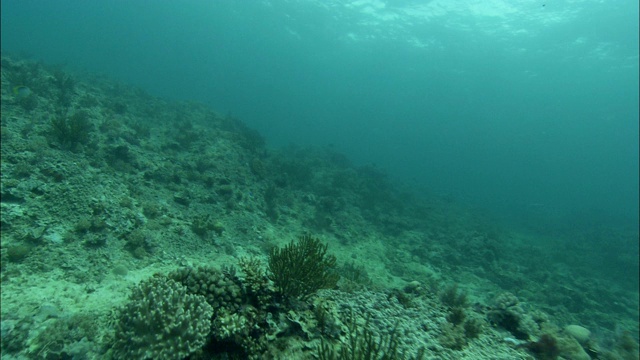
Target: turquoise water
526, 108
515, 121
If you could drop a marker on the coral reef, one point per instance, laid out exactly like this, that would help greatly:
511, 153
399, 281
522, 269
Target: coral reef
507, 312
104, 185
363, 344
221, 289
161, 321
236, 321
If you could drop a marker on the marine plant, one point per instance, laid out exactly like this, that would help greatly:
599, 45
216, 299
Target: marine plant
300, 269
69, 131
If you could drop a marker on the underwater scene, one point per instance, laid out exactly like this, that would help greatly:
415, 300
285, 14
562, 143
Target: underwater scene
319, 179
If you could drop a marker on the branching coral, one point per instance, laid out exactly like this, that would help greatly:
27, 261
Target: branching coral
300, 269
162, 321
69, 131
363, 344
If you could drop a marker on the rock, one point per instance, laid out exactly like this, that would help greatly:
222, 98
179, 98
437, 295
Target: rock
579, 333
413, 287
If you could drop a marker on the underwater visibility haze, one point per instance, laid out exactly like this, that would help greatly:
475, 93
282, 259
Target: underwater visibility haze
492, 145
526, 108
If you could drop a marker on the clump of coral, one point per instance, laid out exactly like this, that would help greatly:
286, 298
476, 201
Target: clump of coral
363, 343
70, 131
507, 313
236, 323
162, 321
300, 269
221, 289
460, 327
256, 282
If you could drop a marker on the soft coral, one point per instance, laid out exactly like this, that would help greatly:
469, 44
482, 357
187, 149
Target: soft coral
546, 348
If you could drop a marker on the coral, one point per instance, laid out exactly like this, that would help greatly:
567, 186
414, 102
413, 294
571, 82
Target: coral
403, 298
624, 348
256, 282
258, 168
239, 331
69, 131
456, 316
457, 332
221, 289
226, 323
507, 313
581, 334
453, 337
161, 321
68, 337
546, 348
271, 206
28, 102
570, 348
354, 277
139, 243
227, 326
236, 323
460, 327
15, 334
202, 225
453, 298
65, 85
300, 269
473, 328
363, 344
325, 315
18, 252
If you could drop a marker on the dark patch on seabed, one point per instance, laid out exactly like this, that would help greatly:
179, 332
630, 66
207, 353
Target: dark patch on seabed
139, 228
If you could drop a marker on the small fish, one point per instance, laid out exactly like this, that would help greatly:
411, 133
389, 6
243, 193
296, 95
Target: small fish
21, 91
